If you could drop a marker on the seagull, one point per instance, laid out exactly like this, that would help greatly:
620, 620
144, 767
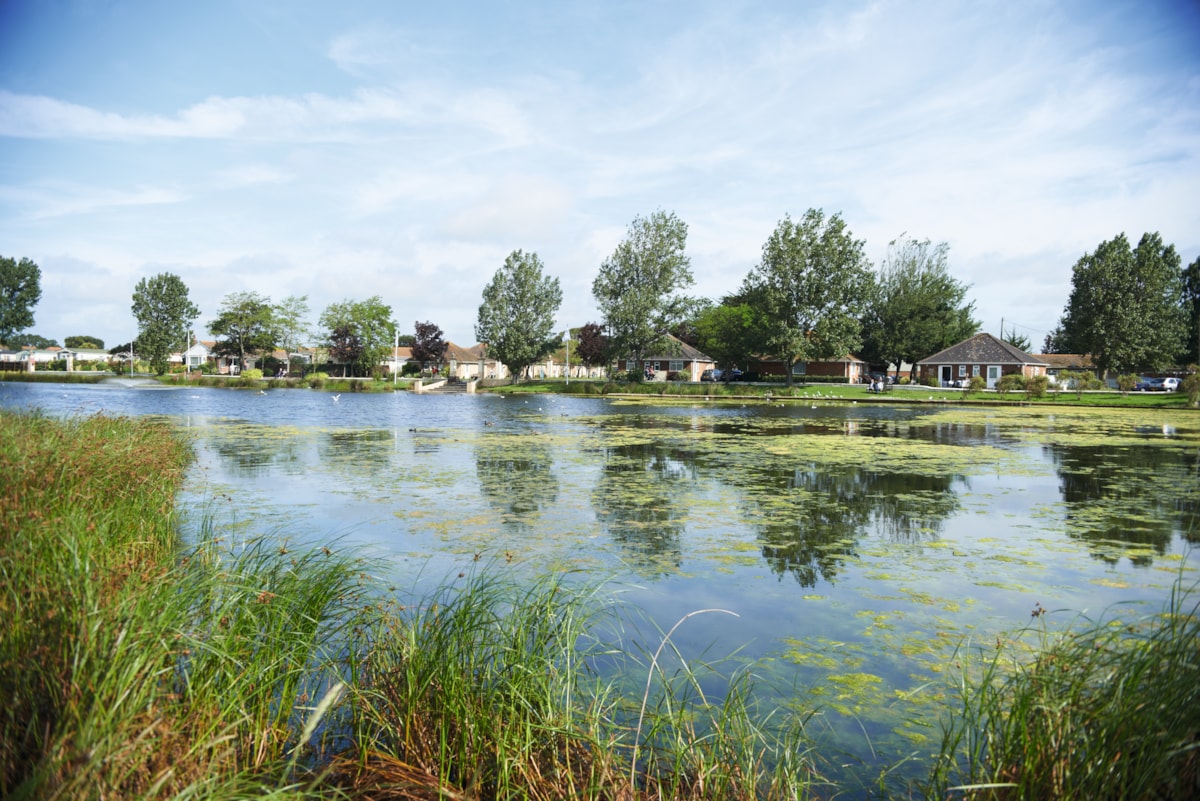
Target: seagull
337, 397
262, 392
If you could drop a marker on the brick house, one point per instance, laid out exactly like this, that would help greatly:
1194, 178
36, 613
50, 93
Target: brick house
982, 355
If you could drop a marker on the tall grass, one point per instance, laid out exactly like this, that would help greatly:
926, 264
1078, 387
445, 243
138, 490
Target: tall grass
485, 689
1107, 711
130, 669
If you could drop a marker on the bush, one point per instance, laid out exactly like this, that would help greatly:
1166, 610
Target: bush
1126, 383
1013, 382
1036, 386
929, 381
976, 385
252, 375
1191, 385
317, 380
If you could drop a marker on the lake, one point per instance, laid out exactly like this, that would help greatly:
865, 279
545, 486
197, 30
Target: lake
859, 545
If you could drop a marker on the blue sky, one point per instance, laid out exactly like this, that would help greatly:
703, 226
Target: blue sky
403, 149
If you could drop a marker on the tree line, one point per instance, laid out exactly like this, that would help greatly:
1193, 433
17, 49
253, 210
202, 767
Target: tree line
812, 295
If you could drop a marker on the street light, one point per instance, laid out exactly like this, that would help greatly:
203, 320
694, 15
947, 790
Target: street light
567, 341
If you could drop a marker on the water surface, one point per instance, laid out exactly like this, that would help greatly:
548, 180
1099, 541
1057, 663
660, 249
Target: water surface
858, 544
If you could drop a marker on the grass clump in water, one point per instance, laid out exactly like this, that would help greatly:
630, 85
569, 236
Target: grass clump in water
486, 689
1110, 711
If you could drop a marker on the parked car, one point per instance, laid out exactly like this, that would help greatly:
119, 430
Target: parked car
748, 376
711, 375
1170, 384
732, 375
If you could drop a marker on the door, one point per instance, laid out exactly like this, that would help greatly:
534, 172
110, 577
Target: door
993, 375
947, 374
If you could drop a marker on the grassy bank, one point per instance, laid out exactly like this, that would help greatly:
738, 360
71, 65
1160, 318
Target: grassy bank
137, 668
841, 392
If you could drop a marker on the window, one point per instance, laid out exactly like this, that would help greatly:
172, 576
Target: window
977, 370
675, 365
630, 365
962, 371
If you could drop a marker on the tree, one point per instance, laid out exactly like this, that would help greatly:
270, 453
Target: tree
638, 287
1056, 341
245, 323
92, 343
20, 291
918, 308
291, 324
1124, 306
591, 345
429, 346
516, 318
370, 322
813, 282
344, 346
1191, 307
164, 315
31, 341
732, 332
1018, 341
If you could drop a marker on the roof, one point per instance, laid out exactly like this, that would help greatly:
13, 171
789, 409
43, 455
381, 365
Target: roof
1068, 361
982, 349
461, 354
686, 352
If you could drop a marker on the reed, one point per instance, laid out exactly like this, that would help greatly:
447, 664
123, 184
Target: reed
1109, 710
485, 688
132, 668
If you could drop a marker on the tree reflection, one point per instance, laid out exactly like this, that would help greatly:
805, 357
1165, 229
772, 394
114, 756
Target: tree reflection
358, 450
249, 451
813, 517
516, 476
639, 500
1134, 496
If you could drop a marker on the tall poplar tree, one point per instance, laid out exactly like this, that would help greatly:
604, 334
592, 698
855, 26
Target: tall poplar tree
516, 318
918, 307
813, 282
1191, 309
1125, 308
20, 291
164, 315
639, 287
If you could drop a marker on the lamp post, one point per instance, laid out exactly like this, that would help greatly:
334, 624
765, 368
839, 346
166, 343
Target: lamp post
567, 341
395, 354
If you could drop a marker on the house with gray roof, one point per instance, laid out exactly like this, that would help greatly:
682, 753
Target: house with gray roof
982, 355
678, 360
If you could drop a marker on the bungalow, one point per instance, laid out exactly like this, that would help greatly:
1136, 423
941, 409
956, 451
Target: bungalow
849, 368
982, 355
79, 355
467, 363
204, 352
1061, 362
685, 365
